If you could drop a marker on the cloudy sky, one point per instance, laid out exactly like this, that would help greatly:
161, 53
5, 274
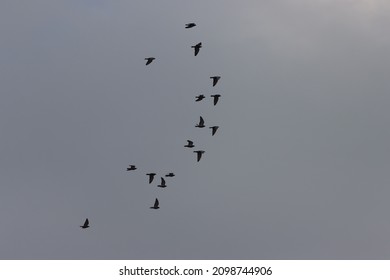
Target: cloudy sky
299, 168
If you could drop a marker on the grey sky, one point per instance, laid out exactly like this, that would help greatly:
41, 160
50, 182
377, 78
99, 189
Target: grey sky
299, 168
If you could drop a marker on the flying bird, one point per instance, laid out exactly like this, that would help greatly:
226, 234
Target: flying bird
86, 224
199, 97
149, 60
201, 123
163, 185
156, 203
190, 144
214, 129
131, 167
151, 177
170, 174
190, 25
197, 48
199, 154
216, 98
215, 79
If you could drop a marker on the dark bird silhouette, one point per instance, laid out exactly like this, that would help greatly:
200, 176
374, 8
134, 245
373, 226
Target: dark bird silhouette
86, 224
215, 79
216, 98
199, 154
214, 129
201, 123
190, 25
156, 204
149, 60
151, 177
197, 48
199, 97
190, 144
163, 185
131, 167
170, 174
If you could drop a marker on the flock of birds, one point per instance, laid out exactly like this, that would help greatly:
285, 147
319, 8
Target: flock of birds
190, 143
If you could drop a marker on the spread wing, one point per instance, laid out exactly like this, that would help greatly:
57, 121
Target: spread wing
201, 121
86, 223
156, 203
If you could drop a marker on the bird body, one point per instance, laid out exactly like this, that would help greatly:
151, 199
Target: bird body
215, 79
170, 174
156, 204
86, 224
200, 97
163, 185
197, 47
216, 98
214, 129
151, 177
149, 60
201, 123
199, 154
131, 167
190, 144
190, 25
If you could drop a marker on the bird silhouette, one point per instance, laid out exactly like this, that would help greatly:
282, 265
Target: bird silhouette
199, 154
215, 79
190, 25
197, 48
156, 204
151, 177
163, 185
170, 174
214, 129
201, 123
199, 97
190, 144
149, 60
131, 167
216, 98
86, 224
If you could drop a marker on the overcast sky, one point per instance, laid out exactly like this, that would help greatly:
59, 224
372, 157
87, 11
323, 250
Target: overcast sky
299, 168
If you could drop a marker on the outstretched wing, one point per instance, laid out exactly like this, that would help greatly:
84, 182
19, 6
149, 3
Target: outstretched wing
86, 223
201, 121
156, 203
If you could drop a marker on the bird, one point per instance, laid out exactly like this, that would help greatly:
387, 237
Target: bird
190, 144
197, 48
199, 154
86, 224
199, 97
163, 185
214, 129
131, 167
201, 123
156, 203
149, 60
170, 174
190, 25
151, 177
215, 79
216, 98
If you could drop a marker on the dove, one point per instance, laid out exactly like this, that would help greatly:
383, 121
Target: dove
156, 203
216, 98
131, 167
190, 144
201, 123
151, 177
199, 97
199, 154
214, 129
163, 185
149, 60
197, 48
86, 224
215, 79
190, 25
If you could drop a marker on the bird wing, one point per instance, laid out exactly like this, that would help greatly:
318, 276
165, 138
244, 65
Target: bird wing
86, 223
156, 203
201, 122
190, 142
197, 48
162, 181
199, 155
